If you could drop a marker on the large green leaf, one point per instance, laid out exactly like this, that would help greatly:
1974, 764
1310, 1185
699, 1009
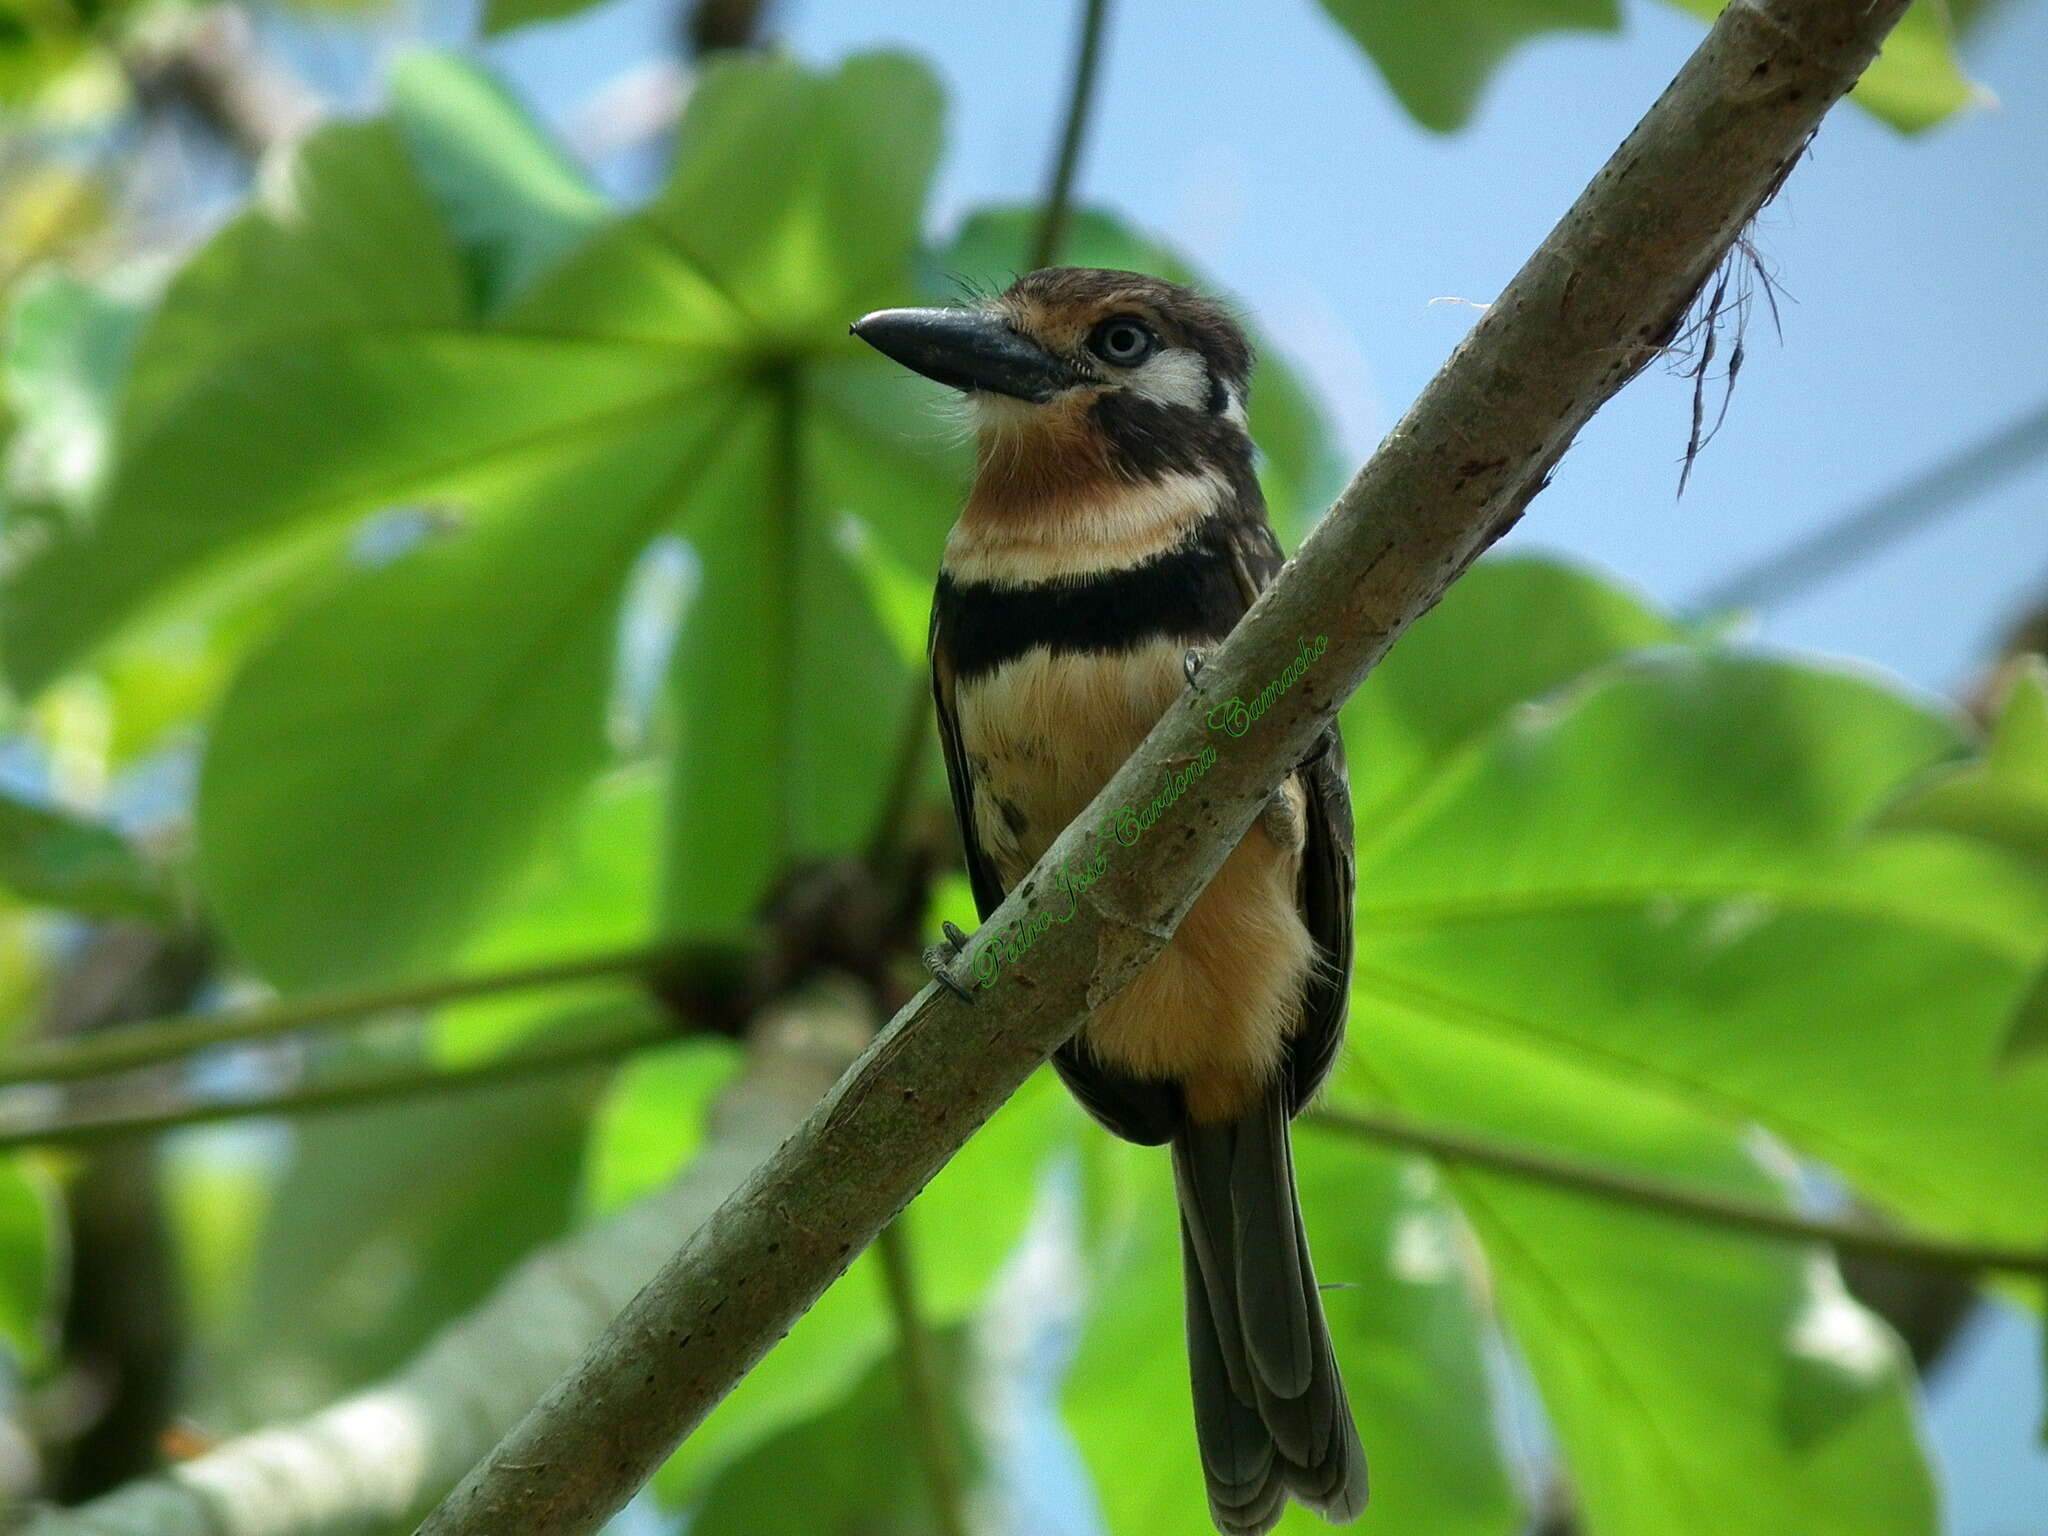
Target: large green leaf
1916, 80
515, 202
32, 1257
858, 1463
1510, 633
383, 763
245, 404
2002, 799
393, 1220
1699, 1383
61, 361
52, 859
395, 750
1650, 877
1437, 59
1407, 1340
959, 1232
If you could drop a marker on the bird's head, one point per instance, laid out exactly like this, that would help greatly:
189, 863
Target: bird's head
1078, 372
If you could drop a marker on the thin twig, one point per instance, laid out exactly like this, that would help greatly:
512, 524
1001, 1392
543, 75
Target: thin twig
142, 1045
1874, 526
924, 1390
1059, 196
386, 1085
1701, 1205
381, 1455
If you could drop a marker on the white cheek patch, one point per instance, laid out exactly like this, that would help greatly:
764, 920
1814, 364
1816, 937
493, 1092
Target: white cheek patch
1177, 376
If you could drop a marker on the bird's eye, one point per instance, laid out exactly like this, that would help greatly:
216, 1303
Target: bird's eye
1122, 340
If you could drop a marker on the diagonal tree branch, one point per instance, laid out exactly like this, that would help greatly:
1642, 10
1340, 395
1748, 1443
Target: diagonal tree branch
389, 1452
1598, 300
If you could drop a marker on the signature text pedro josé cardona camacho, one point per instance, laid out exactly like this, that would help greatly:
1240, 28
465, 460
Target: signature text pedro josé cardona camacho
1129, 823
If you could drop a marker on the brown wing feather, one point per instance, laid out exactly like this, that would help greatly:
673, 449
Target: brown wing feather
1328, 868
981, 872
1134, 1108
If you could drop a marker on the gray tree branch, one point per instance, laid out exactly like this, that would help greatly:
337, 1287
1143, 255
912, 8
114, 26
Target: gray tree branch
1600, 297
386, 1454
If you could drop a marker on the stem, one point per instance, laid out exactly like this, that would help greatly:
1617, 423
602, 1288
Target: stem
142, 1045
923, 1389
1884, 519
409, 1082
1052, 226
1523, 1162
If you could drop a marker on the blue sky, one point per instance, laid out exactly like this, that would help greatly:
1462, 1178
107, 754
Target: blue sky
1259, 141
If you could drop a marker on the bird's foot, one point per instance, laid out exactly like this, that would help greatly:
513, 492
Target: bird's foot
1191, 664
938, 960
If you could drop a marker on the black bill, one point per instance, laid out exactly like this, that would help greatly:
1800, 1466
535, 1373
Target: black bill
966, 349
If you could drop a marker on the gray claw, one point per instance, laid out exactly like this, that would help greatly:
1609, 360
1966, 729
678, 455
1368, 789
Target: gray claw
1191, 664
938, 960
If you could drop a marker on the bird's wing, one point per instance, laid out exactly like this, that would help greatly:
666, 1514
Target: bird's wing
1136, 1109
1328, 868
981, 871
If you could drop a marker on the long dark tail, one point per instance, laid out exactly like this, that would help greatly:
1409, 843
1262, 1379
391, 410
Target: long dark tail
1270, 1410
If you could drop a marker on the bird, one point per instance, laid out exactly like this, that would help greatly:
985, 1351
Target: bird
1114, 532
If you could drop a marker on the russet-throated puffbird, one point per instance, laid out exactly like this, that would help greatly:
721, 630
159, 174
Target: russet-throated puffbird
1115, 528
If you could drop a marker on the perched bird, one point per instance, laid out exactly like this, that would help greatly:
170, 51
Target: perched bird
1115, 528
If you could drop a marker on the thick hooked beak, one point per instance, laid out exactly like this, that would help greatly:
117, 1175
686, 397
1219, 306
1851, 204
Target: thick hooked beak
966, 349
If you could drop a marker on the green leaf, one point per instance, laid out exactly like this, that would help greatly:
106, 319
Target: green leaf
1652, 878
1510, 633
513, 200
652, 1121
589, 888
51, 859
32, 1260
2001, 798
66, 349
857, 1463
237, 416
901, 598
1916, 80
1700, 1383
1406, 1333
1300, 470
501, 16
1438, 60
385, 761
401, 746
960, 1230
2028, 1035
395, 1219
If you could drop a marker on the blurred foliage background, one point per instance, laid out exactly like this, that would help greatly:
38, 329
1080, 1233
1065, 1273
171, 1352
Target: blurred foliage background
463, 633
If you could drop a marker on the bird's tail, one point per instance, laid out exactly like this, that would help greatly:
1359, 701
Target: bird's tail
1270, 1410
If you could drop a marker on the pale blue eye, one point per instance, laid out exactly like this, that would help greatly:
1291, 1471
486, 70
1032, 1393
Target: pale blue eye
1122, 340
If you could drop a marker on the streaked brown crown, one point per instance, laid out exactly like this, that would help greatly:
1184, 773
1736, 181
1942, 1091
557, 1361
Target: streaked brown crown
1060, 306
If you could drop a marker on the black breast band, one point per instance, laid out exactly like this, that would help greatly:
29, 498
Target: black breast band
1187, 593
